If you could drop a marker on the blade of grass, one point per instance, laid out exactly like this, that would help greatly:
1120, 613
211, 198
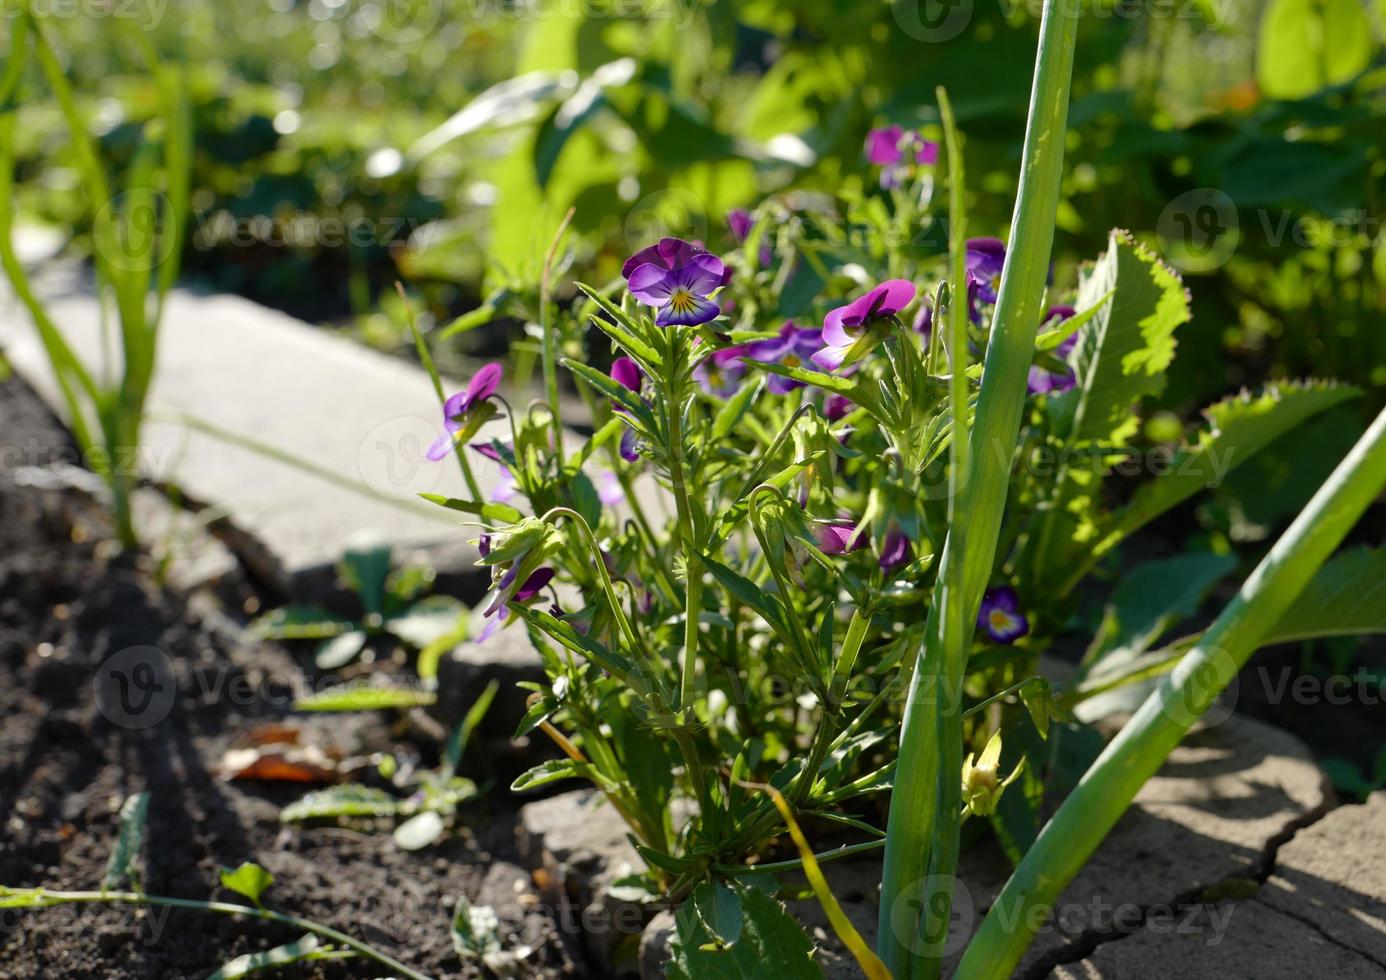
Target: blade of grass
1002, 400
1137, 753
549, 330
956, 636
71, 374
426, 359
869, 962
312, 469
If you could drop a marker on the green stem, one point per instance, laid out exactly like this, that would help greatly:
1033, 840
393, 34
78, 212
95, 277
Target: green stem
957, 637
776, 867
549, 330
1184, 694
50, 899
687, 539
616, 611
1016, 321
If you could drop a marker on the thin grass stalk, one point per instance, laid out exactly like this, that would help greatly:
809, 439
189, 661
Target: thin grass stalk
938, 893
1009, 354
1183, 696
549, 329
71, 374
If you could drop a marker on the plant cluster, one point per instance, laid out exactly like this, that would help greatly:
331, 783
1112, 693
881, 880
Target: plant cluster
846, 538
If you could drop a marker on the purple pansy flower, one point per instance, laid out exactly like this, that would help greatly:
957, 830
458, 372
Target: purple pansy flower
985, 258
721, 371
506, 488
837, 407
895, 149
676, 278
793, 347
924, 320
1000, 617
627, 374
740, 223
532, 587
888, 145
880, 303
1042, 380
895, 549
455, 410
609, 489
839, 537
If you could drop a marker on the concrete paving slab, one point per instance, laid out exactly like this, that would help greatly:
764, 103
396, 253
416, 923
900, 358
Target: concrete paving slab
1214, 814
256, 373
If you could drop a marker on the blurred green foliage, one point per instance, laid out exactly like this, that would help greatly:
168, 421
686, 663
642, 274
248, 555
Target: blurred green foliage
345, 143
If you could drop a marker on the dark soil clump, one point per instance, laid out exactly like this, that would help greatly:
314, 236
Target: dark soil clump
74, 745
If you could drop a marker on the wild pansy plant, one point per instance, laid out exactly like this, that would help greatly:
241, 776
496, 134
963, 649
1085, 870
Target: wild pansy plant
841, 545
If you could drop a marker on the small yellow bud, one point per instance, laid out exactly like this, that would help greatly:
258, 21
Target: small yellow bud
982, 785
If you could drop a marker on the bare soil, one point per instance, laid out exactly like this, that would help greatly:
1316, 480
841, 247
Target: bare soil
68, 602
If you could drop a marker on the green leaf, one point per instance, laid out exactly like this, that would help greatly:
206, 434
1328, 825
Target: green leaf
298, 623
365, 697
121, 865
568, 117
366, 566
475, 930
1238, 428
1122, 352
624, 330
719, 910
1052, 338
305, 950
554, 770
537, 713
580, 643
1308, 45
419, 831
22, 898
1346, 598
347, 800
457, 744
609, 387
503, 104
340, 650
427, 621
478, 317
828, 382
1152, 597
733, 409
490, 511
771, 943
249, 880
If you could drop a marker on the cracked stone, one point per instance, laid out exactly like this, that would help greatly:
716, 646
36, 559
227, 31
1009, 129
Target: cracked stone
509, 658
1214, 815
1330, 878
1280, 947
577, 845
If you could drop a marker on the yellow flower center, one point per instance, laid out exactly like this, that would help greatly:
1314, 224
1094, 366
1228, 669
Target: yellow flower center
1000, 620
683, 301
792, 360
